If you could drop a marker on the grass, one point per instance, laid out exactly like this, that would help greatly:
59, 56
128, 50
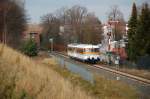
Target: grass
133, 71
22, 78
102, 88
137, 72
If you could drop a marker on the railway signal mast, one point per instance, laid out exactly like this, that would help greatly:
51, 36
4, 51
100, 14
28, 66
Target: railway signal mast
113, 22
111, 34
111, 38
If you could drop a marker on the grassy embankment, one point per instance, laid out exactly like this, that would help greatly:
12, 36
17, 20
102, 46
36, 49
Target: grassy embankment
22, 78
102, 88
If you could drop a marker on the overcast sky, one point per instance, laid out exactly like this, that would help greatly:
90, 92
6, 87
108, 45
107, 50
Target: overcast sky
37, 8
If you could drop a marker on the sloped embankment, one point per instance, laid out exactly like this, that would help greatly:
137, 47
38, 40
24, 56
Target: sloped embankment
21, 78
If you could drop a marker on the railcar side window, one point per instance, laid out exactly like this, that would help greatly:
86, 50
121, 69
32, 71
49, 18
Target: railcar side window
79, 50
95, 50
88, 50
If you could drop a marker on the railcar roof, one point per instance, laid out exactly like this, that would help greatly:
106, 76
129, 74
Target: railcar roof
83, 45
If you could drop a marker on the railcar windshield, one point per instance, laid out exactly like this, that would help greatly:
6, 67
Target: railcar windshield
70, 49
88, 50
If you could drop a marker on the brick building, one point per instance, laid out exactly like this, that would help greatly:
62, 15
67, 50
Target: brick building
33, 31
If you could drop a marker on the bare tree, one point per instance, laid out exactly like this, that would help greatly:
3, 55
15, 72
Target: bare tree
115, 17
73, 21
50, 24
76, 16
12, 22
61, 14
72, 18
115, 13
92, 29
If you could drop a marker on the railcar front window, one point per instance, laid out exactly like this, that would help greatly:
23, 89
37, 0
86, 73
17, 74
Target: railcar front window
70, 49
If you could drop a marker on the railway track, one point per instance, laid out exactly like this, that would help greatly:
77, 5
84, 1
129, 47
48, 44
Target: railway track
137, 78
140, 79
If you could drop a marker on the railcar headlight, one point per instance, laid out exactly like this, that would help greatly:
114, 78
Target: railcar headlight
85, 57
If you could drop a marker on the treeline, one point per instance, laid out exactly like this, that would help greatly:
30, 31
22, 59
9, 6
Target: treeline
139, 32
12, 23
71, 25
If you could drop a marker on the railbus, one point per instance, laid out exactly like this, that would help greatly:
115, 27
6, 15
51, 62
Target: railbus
84, 52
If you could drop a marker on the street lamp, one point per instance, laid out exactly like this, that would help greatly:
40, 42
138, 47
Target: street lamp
51, 40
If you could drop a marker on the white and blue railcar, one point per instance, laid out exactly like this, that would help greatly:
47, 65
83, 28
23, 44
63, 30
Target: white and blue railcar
84, 52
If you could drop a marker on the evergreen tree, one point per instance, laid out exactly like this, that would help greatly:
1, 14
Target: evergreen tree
30, 48
132, 24
143, 32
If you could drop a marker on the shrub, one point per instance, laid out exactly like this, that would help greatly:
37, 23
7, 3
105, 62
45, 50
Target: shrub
30, 48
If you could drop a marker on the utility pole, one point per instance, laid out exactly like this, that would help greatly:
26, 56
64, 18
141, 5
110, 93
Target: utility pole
118, 45
115, 22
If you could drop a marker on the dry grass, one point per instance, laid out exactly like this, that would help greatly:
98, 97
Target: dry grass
136, 72
102, 88
21, 78
144, 73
